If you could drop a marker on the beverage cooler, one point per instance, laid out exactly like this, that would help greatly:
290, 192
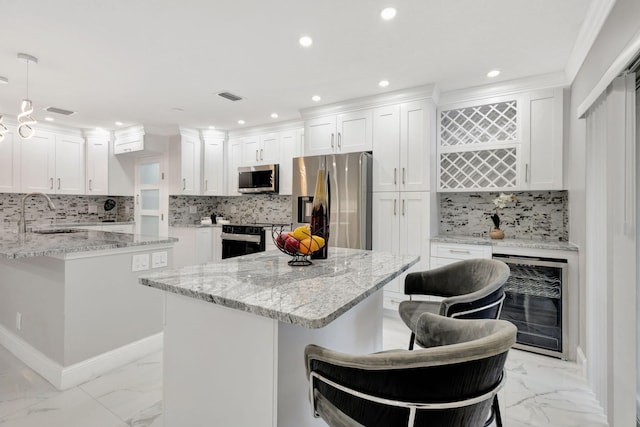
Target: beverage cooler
536, 302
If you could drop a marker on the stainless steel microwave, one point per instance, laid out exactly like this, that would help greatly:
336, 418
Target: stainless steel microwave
258, 179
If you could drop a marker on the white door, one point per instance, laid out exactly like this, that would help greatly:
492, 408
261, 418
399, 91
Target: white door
152, 200
98, 166
38, 163
70, 169
385, 225
270, 148
355, 131
9, 164
213, 181
416, 145
386, 148
235, 159
320, 136
190, 166
250, 150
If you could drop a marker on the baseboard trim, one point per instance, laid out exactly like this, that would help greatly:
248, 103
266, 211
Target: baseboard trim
581, 360
64, 377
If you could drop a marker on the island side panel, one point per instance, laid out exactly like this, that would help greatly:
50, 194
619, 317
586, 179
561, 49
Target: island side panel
358, 331
34, 287
220, 365
105, 307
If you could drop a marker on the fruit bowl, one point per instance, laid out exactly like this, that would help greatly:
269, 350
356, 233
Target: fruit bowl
299, 244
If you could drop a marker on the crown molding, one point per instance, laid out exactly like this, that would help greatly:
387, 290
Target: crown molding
509, 87
97, 133
395, 97
262, 129
213, 133
597, 15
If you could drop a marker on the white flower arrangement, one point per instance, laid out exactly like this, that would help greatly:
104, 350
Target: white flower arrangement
501, 202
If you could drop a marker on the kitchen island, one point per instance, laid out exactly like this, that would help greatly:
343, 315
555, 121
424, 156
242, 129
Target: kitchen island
71, 307
235, 332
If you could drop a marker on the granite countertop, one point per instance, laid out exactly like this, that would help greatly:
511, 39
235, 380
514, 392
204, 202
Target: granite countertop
264, 284
80, 224
194, 225
13, 245
507, 243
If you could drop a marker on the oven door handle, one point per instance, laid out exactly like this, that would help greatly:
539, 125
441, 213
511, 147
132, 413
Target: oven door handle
252, 238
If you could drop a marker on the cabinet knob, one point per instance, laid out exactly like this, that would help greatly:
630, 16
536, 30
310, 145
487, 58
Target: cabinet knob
395, 176
51, 184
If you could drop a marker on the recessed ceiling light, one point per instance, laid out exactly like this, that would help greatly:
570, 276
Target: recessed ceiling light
383, 83
274, 115
316, 98
212, 127
50, 119
493, 73
241, 122
178, 109
305, 41
4, 80
388, 13
119, 124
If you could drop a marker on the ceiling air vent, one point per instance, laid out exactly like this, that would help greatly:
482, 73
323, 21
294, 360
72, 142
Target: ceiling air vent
59, 111
230, 96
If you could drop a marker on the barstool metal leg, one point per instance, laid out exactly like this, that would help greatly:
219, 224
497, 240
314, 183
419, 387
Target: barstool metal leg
412, 340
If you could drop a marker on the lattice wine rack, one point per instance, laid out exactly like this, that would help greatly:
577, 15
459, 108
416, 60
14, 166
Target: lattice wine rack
465, 168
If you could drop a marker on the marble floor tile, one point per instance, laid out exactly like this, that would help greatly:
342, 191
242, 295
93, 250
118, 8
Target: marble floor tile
540, 391
71, 408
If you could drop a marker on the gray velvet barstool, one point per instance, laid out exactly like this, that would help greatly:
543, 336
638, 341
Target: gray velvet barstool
472, 289
452, 381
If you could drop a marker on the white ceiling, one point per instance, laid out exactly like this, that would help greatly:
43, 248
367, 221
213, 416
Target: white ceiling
135, 60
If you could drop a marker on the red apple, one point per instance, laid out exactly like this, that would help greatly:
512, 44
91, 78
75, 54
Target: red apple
281, 239
291, 245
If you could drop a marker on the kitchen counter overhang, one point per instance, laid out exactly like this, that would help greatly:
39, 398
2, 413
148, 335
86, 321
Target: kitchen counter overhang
265, 285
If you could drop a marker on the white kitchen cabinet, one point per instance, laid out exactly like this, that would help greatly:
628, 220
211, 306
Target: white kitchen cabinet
234, 160
53, 164
97, 176
446, 253
401, 223
402, 146
213, 164
261, 149
342, 133
184, 160
129, 140
10, 163
290, 147
504, 143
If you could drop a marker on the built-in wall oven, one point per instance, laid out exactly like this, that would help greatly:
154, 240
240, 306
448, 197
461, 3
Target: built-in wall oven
536, 302
240, 240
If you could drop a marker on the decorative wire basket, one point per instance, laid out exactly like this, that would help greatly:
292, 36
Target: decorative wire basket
299, 259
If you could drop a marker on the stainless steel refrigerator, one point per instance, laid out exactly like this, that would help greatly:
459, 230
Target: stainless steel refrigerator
349, 184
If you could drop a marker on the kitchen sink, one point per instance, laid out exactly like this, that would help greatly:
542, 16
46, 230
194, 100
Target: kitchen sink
58, 231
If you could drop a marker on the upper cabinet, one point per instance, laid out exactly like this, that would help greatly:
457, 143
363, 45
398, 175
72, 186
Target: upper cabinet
290, 146
261, 149
10, 163
504, 143
53, 163
129, 140
341, 133
213, 163
184, 163
234, 160
402, 148
97, 176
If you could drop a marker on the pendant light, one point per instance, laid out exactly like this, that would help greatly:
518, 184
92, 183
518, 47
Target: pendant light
25, 120
3, 129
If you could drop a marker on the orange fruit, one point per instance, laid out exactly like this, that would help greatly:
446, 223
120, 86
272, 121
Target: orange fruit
308, 246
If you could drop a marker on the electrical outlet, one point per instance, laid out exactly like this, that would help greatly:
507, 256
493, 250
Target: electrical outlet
140, 262
18, 321
158, 259
93, 209
193, 209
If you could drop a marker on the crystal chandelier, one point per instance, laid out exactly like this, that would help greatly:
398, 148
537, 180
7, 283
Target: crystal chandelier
25, 120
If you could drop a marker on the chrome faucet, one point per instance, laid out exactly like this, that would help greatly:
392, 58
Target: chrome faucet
22, 223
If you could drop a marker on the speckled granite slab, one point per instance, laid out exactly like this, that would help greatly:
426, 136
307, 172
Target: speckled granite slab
507, 243
264, 284
12, 245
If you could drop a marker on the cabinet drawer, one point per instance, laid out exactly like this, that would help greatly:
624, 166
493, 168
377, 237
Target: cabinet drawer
128, 147
460, 251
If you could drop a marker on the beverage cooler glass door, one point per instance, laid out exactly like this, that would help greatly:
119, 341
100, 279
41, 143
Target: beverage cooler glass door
535, 301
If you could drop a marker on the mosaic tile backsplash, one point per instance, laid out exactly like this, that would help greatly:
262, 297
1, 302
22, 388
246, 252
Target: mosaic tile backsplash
536, 215
68, 209
260, 208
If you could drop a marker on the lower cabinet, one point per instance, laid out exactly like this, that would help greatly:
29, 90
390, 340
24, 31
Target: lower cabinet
196, 245
447, 253
402, 223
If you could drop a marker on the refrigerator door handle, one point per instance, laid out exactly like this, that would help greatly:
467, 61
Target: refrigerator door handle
364, 202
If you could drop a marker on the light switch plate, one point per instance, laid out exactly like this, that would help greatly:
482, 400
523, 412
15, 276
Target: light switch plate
140, 262
92, 209
159, 259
